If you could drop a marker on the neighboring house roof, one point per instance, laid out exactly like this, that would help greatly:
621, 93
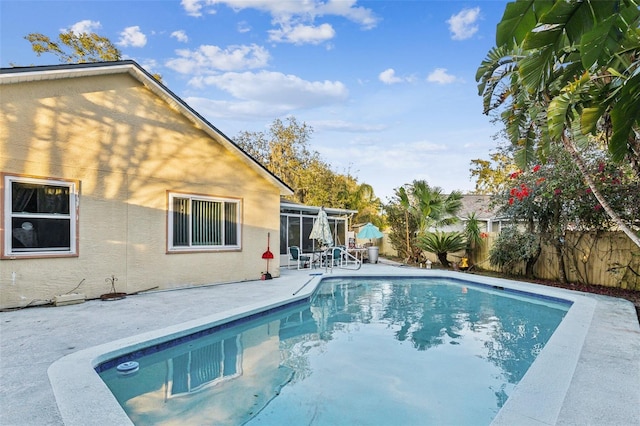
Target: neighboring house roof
480, 204
54, 72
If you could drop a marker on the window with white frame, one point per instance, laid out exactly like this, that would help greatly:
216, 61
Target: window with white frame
198, 222
39, 217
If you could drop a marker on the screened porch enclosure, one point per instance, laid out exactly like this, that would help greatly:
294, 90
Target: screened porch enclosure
296, 222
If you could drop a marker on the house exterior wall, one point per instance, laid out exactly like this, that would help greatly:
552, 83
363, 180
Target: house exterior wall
127, 148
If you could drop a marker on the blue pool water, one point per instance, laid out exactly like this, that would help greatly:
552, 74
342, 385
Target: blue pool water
371, 351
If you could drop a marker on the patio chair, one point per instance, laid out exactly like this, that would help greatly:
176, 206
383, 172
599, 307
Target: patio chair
344, 259
333, 257
300, 258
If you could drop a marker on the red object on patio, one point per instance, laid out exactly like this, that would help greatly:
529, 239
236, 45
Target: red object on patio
267, 255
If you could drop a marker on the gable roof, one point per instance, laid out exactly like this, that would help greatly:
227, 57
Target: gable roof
55, 72
478, 204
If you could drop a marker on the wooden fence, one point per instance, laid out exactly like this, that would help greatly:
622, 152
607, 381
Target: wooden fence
605, 258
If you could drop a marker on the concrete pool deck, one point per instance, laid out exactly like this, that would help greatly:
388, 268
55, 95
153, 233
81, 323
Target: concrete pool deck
589, 372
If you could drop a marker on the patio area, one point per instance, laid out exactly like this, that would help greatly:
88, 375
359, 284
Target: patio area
602, 372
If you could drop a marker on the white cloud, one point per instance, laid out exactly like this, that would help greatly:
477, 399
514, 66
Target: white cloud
150, 65
235, 110
386, 165
302, 34
264, 95
207, 59
293, 16
345, 8
440, 76
388, 76
132, 36
345, 126
243, 27
85, 26
274, 88
463, 24
193, 7
286, 9
180, 35
426, 146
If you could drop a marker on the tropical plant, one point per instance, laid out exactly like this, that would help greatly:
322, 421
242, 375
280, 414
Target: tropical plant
363, 199
433, 208
472, 234
441, 244
512, 247
596, 42
561, 70
422, 207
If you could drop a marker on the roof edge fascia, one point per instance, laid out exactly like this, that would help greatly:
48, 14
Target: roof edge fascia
304, 207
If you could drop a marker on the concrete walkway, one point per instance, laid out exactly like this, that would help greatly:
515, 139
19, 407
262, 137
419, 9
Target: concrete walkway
601, 387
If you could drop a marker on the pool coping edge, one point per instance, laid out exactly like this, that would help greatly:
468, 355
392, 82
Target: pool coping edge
76, 396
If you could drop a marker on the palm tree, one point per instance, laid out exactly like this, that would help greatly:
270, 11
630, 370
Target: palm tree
562, 70
432, 207
423, 207
363, 199
442, 243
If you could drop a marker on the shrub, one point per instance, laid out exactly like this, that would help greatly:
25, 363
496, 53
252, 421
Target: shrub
512, 247
442, 243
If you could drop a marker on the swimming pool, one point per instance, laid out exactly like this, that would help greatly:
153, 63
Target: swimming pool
420, 350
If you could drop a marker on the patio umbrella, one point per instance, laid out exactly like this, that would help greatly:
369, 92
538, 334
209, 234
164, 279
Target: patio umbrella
370, 231
321, 230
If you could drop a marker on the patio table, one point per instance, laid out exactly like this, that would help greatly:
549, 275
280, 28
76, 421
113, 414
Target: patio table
358, 253
316, 258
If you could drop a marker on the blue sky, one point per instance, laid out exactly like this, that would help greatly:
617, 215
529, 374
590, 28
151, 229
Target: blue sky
388, 86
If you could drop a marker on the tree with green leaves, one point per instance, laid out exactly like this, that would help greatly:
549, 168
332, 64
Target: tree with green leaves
562, 70
285, 151
77, 48
74, 47
493, 174
403, 231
